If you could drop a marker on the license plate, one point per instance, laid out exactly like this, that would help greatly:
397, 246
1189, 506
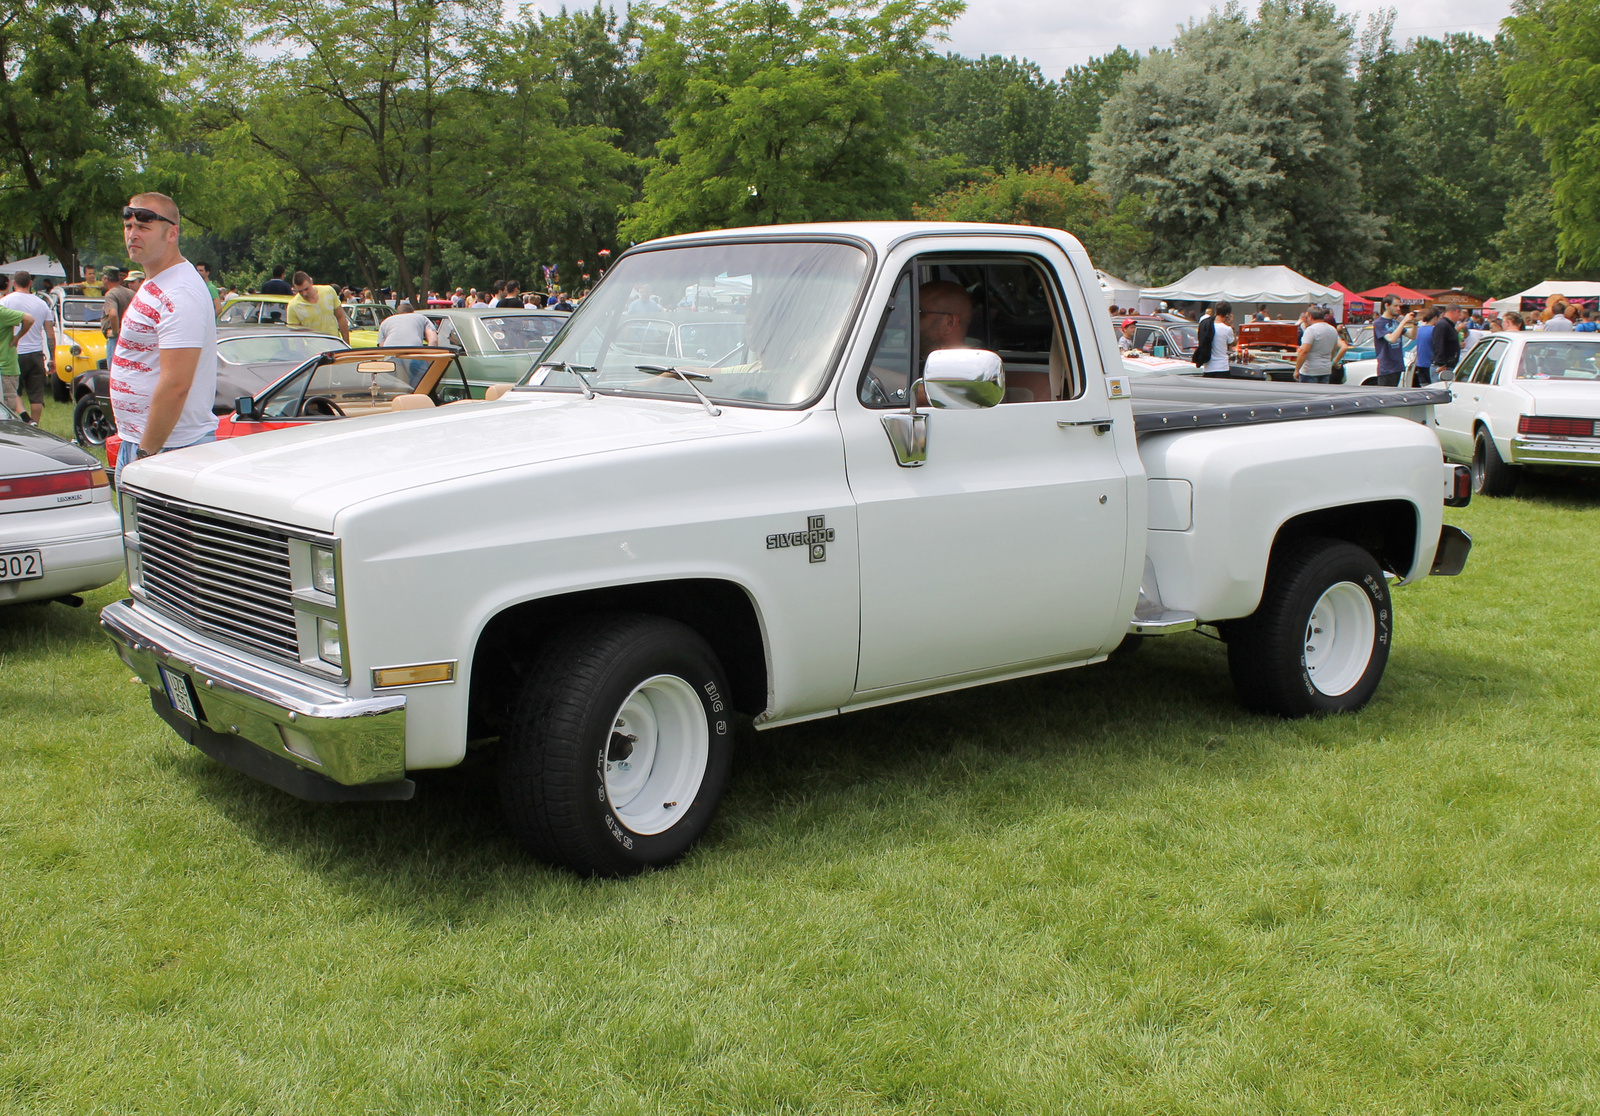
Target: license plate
180, 692
21, 565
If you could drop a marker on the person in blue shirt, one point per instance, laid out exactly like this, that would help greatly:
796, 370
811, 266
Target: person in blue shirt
1590, 323
1388, 340
1424, 374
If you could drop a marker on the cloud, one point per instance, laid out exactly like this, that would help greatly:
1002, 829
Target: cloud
1057, 35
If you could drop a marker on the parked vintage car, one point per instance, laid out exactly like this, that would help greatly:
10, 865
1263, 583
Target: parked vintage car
352, 382
80, 345
1524, 401
496, 346
248, 360
1165, 348
272, 310
59, 529
583, 580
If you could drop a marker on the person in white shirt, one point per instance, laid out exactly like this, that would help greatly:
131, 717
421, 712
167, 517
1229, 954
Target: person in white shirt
406, 327
36, 349
164, 373
1222, 341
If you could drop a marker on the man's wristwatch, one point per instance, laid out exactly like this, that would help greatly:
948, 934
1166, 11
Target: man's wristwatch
141, 453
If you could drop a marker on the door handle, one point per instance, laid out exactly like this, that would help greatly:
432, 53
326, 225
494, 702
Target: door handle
1101, 425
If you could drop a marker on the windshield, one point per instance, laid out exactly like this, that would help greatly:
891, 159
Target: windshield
756, 323
290, 347
1560, 360
78, 312
357, 386
521, 333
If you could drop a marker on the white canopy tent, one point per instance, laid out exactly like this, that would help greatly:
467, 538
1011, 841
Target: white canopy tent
1281, 291
1118, 292
1570, 288
35, 265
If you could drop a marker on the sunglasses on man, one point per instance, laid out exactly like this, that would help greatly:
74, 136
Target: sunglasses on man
144, 216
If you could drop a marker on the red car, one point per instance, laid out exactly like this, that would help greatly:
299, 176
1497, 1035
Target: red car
345, 384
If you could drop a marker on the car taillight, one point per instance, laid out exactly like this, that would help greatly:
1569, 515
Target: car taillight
1460, 487
51, 484
1556, 427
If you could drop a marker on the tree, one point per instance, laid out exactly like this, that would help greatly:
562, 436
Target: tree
1242, 140
395, 123
1084, 90
1553, 81
781, 112
985, 112
1049, 198
82, 89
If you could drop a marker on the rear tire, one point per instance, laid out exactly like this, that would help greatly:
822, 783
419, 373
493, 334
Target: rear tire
620, 746
1319, 641
1491, 476
92, 422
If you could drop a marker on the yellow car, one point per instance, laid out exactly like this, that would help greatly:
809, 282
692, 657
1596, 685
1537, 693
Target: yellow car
79, 343
266, 310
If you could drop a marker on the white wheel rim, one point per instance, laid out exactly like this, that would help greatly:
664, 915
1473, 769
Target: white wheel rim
1340, 634
656, 756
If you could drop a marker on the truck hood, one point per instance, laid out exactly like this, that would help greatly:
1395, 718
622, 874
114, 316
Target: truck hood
1570, 398
306, 475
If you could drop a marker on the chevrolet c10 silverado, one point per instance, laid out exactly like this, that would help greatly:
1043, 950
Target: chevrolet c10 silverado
753, 474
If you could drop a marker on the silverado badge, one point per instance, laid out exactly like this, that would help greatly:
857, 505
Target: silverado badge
816, 536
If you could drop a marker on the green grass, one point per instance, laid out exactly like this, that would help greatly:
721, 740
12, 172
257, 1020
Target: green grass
1107, 890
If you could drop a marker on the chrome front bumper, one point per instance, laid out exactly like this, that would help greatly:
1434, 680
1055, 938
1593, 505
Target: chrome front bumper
304, 736
1554, 451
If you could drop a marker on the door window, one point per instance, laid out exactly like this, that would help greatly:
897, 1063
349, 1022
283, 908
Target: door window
1483, 373
1003, 304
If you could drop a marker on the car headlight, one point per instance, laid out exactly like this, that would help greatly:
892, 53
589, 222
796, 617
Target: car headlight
328, 648
324, 578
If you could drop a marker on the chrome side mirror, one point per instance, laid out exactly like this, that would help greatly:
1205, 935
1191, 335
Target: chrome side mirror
963, 379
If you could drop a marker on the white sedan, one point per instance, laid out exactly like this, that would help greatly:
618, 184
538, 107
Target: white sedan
1524, 401
60, 533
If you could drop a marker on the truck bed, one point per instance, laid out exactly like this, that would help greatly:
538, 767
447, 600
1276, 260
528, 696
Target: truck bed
1191, 402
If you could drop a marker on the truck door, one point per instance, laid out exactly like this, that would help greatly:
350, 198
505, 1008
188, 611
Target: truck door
1007, 546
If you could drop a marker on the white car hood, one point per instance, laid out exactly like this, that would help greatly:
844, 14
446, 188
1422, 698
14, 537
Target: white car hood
1571, 398
306, 475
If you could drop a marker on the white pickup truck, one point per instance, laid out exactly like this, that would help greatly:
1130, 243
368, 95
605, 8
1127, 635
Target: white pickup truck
785, 472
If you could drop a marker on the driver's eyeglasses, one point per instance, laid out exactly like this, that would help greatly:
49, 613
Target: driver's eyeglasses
145, 216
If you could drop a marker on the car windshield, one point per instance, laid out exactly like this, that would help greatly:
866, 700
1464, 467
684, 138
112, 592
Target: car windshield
1560, 360
80, 312
754, 323
289, 347
1185, 338
521, 333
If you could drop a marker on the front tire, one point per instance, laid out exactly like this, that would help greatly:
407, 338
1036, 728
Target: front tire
92, 423
620, 746
1319, 640
1491, 476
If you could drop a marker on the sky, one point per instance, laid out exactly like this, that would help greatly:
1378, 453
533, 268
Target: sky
1057, 35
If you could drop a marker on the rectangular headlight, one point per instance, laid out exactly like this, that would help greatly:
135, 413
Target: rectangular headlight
328, 649
323, 577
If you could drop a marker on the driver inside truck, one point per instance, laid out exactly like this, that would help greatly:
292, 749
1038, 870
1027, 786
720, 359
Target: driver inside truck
943, 317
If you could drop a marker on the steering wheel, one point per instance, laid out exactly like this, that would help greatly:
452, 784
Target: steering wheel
321, 405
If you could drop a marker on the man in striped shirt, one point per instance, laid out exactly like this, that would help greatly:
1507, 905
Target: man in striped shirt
164, 373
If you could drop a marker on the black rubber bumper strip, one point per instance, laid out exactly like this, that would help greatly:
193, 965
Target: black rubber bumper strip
241, 755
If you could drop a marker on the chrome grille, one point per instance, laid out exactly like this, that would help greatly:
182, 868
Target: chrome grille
225, 578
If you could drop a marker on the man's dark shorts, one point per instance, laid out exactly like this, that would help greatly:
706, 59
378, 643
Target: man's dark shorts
31, 380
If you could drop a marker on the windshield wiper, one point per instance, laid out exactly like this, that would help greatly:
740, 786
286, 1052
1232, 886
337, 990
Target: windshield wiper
577, 370
688, 378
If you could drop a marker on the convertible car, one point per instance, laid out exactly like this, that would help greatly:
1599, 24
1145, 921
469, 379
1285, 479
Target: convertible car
248, 360
345, 383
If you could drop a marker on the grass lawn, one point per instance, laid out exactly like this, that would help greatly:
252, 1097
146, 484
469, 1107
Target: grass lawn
1107, 890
